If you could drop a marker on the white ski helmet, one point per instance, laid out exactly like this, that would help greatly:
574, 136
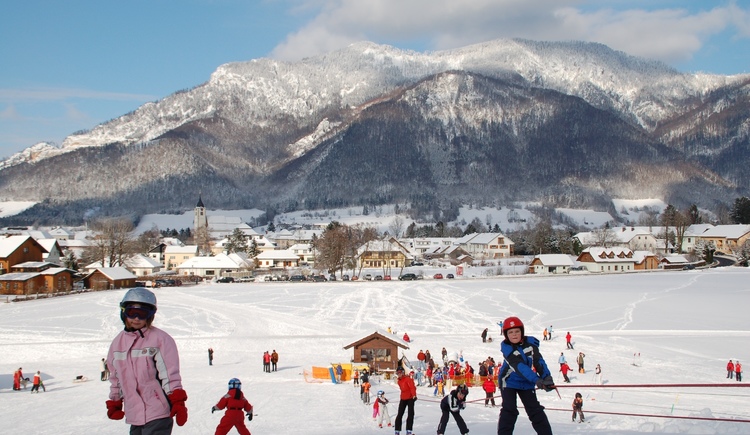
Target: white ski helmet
140, 296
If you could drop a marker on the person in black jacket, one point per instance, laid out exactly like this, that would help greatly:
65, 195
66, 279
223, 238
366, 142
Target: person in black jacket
453, 403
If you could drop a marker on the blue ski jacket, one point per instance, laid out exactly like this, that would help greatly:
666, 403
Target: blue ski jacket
516, 371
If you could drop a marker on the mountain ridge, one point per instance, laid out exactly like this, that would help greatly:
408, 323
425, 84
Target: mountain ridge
253, 123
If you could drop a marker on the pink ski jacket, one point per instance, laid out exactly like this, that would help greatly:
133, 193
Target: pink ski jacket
143, 371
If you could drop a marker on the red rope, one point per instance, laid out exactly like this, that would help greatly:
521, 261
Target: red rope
735, 385
628, 414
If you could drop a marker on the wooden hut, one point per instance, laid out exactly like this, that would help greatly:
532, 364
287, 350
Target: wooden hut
377, 350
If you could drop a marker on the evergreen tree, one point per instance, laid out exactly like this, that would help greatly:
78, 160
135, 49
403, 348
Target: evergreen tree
236, 242
741, 210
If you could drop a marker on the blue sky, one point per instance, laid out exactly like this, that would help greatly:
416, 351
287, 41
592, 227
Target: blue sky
69, 65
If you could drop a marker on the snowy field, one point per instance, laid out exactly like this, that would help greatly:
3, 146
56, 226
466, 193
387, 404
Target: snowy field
686, 325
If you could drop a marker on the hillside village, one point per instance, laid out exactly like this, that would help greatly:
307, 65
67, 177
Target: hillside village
36, 262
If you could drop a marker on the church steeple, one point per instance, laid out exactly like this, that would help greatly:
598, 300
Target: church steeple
200, 220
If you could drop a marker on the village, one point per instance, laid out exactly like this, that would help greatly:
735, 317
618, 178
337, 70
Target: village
37, 262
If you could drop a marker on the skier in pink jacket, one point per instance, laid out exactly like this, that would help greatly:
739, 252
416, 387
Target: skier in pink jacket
144, 370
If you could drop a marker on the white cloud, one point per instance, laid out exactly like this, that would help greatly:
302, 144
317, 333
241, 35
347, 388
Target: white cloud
667, 34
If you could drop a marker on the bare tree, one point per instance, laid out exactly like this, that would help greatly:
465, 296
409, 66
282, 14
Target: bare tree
113, 242
604, 237
396, 226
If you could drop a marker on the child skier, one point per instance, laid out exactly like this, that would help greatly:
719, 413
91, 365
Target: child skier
145, 382
489, 390
578, 407
452, 404
366, 392
522, 371
380, 409
235, 403
38, 383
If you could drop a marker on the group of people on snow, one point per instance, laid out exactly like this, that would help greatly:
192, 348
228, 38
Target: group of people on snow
734, 370
269, 361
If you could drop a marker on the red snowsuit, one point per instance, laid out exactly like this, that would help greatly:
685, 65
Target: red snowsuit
235, 403
17, 375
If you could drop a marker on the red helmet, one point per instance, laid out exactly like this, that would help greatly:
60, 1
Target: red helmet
510, 323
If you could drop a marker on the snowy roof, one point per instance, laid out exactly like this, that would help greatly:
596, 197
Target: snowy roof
277, 254
728, 231
48, 244
18, 276
30, 264
220, 261
602, 255
187, 249
55, 270
555, 259
9, 245
675, 259
697, 229
116, 272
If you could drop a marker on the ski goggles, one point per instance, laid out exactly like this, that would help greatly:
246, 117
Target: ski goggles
142, 313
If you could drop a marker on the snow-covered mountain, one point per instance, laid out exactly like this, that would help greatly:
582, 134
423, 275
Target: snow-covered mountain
566, 122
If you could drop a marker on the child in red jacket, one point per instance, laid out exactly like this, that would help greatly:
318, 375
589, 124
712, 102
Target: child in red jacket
489, 390
235, 403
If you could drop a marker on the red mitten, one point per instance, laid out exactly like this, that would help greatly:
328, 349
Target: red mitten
114, 409
177, 398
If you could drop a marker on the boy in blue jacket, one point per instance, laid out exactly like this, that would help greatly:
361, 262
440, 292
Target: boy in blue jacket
523, 370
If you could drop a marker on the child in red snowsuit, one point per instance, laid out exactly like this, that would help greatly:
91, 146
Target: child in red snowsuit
235, 403
564, 368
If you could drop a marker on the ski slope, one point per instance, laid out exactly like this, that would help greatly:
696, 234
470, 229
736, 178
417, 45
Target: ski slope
685, 324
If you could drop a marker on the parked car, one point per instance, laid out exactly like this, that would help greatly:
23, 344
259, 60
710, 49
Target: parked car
417, 263
378, 277
688, 267
246, 279
355, 277
225, 279
368, 277
297, 278
319, 278
450, 276
331, 277
407, 277
438, 276
387, 277
345, 277
268, 278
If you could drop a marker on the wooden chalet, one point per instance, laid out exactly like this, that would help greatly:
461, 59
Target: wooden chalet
378, 350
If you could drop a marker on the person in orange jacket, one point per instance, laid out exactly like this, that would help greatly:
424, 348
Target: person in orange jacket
408, 398
489, 388
38, 382
738, 371
730, 370
235, 403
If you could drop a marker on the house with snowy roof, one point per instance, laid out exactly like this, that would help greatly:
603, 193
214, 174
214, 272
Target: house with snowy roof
645, 260
726, 238
215, 266
486, 245
106, 278
277, 259
551, 264
692, 235
54, 250
383, 254
176, 255
36, 277
607, 260
19, 249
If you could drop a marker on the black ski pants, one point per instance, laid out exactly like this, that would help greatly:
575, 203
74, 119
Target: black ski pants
509, 412
408, 406
456, 416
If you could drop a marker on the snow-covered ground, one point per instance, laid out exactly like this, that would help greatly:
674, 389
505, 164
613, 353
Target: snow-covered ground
685, 324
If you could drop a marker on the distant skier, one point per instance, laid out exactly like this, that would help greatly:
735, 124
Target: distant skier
568, 337
210, 356
489, 388
565, 368
598, 374
484, 335
562, 359
738, 371
580, 361
235, 403
730, 370
38, 382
